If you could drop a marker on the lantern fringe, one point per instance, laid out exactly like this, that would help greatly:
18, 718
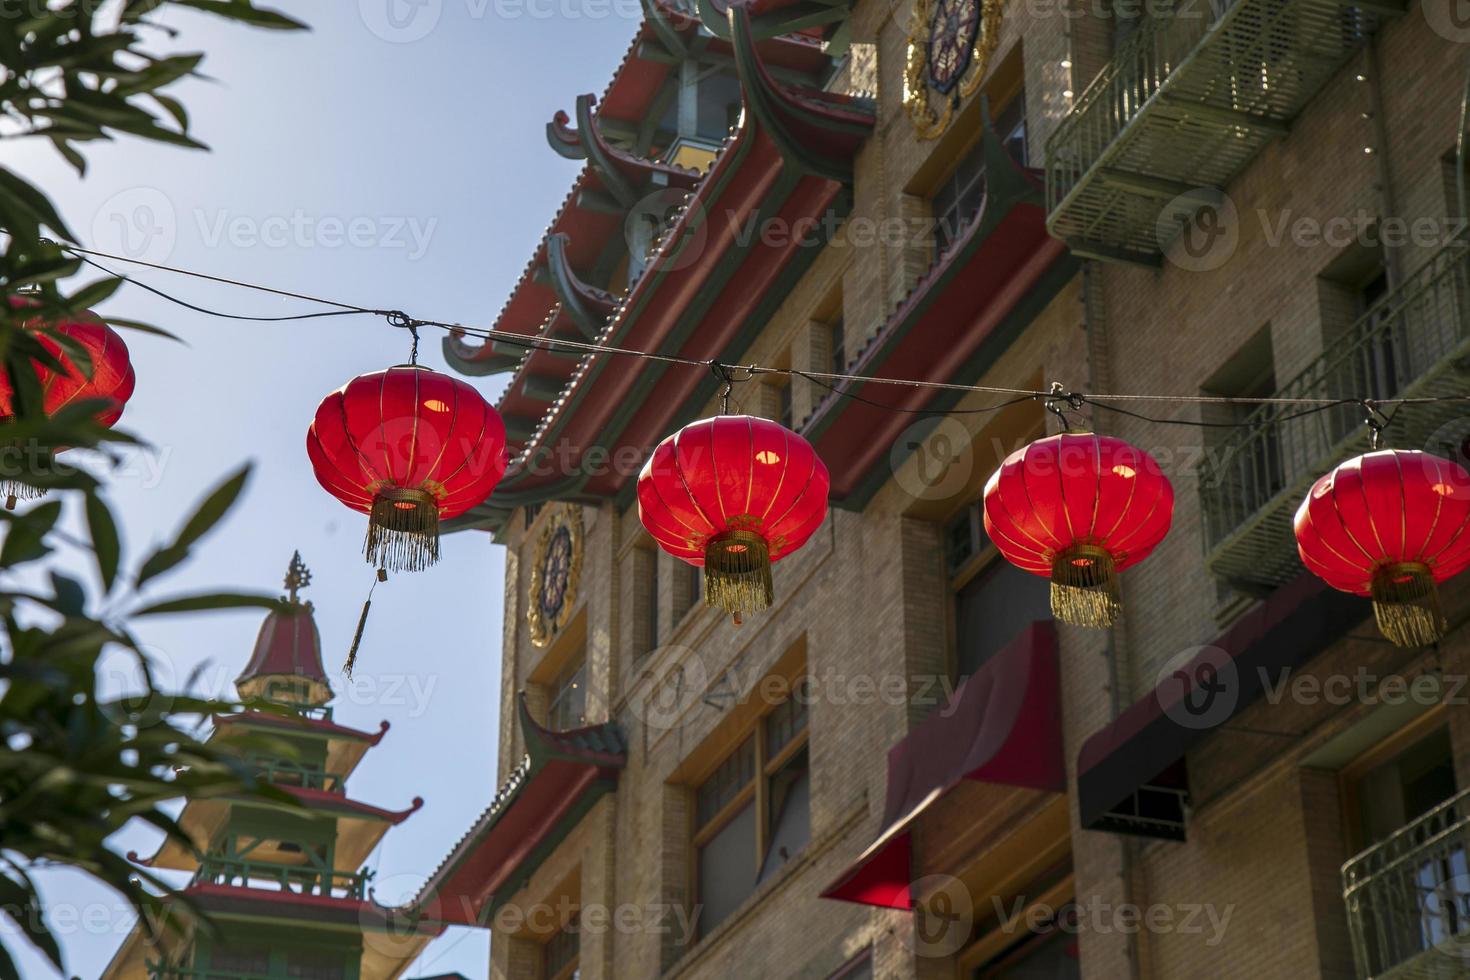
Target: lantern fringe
737, 579
403, 530
15, 491
1084, 587
1406, 604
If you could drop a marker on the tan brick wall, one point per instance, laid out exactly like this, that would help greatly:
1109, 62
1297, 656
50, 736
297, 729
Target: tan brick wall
868, 595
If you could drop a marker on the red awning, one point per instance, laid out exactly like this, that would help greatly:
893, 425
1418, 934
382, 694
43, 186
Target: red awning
1003, 726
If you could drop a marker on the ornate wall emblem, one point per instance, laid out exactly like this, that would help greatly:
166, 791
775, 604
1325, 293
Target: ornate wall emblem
556, 570
950, 44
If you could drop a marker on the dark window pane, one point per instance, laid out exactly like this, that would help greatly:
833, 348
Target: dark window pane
839, 347
315, 966
790, 814
562, 951
726, 870
993, 608
1053, 957
568, 708
652, 612
860, 968
240, 960
733, 775
785, 723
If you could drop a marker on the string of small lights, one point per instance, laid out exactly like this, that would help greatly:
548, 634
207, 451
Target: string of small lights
838, 383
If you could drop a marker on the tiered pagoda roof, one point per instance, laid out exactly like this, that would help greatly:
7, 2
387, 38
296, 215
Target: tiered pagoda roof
707, 285
270, 881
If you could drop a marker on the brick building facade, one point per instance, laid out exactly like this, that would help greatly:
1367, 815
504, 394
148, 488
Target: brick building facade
904, 769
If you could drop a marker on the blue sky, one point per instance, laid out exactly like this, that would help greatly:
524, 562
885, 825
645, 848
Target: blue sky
393, 157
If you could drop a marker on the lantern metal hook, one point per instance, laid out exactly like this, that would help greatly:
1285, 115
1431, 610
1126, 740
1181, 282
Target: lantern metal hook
1052, 401
1376, 420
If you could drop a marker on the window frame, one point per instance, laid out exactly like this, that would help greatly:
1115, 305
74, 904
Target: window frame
567, 970
755, 793
575, 667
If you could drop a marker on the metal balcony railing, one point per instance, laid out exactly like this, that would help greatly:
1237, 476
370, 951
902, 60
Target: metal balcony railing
295, 774
1183, 107
159, 971
1413, 342
295, 878
1408, 898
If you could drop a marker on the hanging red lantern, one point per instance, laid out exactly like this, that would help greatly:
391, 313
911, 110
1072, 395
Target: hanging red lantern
1390, 525
1079, 508
109, 379
732, 494
409, 447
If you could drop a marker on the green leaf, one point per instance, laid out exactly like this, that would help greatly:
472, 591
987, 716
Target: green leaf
25, 540
214, 508
243, 11
209, 600
142, 328
106, 544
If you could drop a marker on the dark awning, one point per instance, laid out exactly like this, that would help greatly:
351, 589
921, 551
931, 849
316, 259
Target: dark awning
1002, 726
1130, 774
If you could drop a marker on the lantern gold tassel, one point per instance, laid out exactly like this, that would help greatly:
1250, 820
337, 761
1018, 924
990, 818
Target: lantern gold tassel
1406, 604
737, 578
1084, 587
15, 491
403, 530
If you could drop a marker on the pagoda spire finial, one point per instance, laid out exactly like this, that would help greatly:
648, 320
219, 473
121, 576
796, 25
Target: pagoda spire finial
298, 577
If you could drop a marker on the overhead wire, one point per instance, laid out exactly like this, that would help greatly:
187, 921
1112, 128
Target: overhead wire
838, 383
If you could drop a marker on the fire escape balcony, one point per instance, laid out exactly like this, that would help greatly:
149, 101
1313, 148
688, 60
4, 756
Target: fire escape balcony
1408, 899
1414, 342
1182, 108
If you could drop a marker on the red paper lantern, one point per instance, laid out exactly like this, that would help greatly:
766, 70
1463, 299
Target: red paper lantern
1390, 525
409, 447
732, 494
110, 377
1078, 508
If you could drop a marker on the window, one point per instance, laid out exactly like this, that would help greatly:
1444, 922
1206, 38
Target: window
839, 348
561, 954
957, 201
568, 706
993, 599
1049, 954
688, 591
307, 965
753, 813
652, 612
1412, 879
233, 958
785, 404
860, 967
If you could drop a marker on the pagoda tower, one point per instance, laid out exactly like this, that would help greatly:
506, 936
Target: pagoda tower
283, 887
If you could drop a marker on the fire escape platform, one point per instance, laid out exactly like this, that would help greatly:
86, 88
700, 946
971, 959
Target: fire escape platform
1182, 108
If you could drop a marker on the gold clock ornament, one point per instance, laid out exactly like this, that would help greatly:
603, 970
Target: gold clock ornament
950, 46
556, 571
